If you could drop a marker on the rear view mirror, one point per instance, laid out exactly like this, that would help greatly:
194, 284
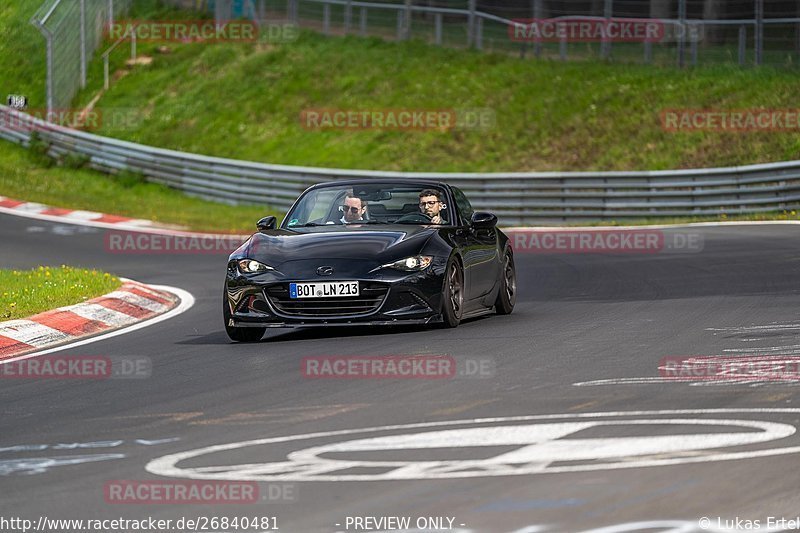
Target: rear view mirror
266, 223
483, 220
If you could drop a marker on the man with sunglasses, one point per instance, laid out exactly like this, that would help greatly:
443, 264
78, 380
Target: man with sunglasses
430, 203
354, 209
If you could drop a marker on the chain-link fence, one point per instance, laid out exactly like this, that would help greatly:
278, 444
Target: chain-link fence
73, 29
685, 32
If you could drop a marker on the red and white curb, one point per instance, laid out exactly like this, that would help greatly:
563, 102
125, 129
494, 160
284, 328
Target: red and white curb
132, 303
73, 216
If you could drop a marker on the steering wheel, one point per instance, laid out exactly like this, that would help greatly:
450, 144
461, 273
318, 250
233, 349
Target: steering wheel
422, 218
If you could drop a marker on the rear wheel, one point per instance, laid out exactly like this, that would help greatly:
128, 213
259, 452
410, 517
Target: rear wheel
453, 296
507, 296
239, 334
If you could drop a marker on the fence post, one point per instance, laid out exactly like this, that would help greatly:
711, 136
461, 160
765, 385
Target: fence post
759, 31
694, 49
682, 33
407, 21
471, 24
399, 24
437, 28
538, 11
50, 73
83, 42
363, 22
326, 18
648, 52
562, 48
110, 14
742, 44
348, 15
608, 12
479, 34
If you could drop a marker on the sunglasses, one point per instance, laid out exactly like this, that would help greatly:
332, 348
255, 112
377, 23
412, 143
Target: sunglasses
429, 203
347, 208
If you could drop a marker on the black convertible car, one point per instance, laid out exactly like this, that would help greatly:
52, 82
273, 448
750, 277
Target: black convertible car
370, 252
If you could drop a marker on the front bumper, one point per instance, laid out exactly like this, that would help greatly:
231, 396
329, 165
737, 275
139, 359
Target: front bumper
390, 299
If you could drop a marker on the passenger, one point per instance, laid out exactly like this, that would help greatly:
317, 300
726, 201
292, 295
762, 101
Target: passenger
354, 210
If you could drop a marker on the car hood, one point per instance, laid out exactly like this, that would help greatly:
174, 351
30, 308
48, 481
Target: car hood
336, 242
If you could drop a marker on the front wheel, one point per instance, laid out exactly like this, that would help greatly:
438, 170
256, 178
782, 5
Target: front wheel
239, 334
507, 296
453, 295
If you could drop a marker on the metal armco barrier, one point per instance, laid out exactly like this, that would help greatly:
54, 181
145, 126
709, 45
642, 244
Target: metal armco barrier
517, 198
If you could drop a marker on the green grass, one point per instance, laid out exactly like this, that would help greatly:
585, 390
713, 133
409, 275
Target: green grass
28, 292
25, 175
244, 101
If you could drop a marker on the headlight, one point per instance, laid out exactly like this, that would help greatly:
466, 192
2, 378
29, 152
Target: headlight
251, 266
411, 264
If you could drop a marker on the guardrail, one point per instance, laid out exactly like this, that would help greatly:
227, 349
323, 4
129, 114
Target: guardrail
517, 198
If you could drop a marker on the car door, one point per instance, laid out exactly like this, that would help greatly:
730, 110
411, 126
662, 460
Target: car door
479, 251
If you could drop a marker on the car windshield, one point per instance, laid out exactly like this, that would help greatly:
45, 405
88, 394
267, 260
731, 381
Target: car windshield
388, 203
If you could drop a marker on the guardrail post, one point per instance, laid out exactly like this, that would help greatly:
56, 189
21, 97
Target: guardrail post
437, 29
742, 44
759, 43
363, 21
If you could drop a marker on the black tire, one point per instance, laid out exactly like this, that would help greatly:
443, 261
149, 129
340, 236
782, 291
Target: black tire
453, 295
507, 296
240, 334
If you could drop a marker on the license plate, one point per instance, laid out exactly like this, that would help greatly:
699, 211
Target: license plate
325, 289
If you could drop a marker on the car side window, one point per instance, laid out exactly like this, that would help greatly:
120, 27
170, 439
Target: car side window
464, 207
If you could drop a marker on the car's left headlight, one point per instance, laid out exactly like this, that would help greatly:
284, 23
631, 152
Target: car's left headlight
411, 264
251, 266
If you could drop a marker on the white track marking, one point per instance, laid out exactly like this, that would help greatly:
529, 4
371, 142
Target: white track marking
109, 317
186, 302
31, 332
138, 301
308, 466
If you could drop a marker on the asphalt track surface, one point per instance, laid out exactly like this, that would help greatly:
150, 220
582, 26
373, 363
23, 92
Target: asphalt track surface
579, 318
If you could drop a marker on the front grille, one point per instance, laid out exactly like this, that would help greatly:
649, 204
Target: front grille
369, 300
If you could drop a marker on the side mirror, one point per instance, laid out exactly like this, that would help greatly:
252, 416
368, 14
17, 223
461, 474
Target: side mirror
483, 220
266, 223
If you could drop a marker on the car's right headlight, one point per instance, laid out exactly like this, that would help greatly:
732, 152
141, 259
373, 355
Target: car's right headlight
251, 266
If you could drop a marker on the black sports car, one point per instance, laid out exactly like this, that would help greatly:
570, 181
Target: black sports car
370, 252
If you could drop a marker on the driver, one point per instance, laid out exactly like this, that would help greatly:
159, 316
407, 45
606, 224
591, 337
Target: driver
354, 209
430, 203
